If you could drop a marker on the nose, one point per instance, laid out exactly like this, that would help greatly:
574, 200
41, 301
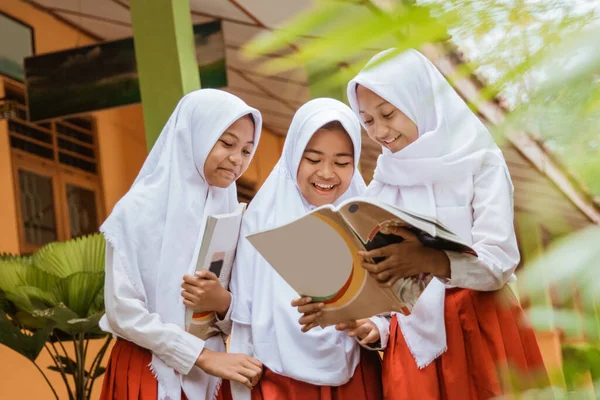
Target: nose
236, 158
381, 130
326, 172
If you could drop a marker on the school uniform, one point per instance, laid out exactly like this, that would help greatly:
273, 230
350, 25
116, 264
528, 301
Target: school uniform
322, 363
153, 237
464, 330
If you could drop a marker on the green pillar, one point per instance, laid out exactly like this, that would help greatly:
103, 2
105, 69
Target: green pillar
166, 58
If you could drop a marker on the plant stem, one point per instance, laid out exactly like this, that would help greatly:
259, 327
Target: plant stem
47, 380
69, 363
96, 364
78, 345
60, 368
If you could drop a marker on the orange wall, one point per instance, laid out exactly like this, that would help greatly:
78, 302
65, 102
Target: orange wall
122, 150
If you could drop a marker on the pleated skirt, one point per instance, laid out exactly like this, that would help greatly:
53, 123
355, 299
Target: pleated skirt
365, 384
492, 351
128, 376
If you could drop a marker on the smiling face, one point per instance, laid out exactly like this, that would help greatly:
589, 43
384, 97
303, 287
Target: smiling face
230, 156
327, 166
385, 124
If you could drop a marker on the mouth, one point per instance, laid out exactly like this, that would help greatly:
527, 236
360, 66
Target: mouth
387, 142
324, 188
228, 172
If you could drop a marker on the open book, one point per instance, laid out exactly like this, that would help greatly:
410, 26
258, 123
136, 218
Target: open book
317, 256
216, 254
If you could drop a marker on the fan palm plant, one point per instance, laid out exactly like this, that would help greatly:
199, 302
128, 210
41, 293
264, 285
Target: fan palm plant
52, 297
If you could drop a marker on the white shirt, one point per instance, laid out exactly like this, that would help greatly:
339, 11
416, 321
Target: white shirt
127, 317
480, 211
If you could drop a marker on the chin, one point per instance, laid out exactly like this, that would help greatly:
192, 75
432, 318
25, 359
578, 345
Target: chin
221, 183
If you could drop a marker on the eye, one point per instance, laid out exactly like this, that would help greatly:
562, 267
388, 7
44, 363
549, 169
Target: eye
368, 122
225, 143
342, 164
246, 152
312, 161
388, 116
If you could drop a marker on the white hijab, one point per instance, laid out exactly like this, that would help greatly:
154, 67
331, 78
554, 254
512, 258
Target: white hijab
323, 357
452, 143
157, 227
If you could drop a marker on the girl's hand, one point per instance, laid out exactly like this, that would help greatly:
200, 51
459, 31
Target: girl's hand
405, 259
235, 367
364, 329
204, 292
310, 310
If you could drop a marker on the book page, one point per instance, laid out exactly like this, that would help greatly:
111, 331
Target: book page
317, 256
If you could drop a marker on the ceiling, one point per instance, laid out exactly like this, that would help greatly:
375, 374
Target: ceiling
277, 96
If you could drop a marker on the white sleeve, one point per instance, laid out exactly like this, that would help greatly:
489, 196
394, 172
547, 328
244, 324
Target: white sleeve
129, 318
493, 235
240, 341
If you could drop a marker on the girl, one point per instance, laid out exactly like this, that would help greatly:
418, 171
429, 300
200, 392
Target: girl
467, 327
153, 236
318, 166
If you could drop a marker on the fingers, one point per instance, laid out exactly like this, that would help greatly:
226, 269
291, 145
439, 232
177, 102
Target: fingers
342, 326
309, 319
371, 337
360, 331
254, 361
237, 377
301, 301
252, 374
308, 327
379, 267
190, 280
311, 308
403, 232
380, 252
205, 274
188, 296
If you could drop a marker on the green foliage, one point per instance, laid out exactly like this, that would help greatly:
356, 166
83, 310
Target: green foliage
543, 57
52, 296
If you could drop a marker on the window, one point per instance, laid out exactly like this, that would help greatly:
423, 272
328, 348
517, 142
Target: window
56, 175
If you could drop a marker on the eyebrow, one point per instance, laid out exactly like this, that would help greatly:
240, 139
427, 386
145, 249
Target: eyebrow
379, 105
321, 153
235, 136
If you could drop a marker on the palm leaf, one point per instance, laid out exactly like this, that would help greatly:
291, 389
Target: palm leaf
69, 322
27, 343
84, 254
79, 291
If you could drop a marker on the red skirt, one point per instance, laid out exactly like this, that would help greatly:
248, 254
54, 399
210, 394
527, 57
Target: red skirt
487, 335
128, 375
365, 384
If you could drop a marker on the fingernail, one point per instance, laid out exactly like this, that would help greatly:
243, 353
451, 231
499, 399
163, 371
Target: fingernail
319, 314
321, 305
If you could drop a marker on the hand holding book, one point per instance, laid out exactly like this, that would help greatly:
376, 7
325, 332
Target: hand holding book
203, 291
364, 330
407, 258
